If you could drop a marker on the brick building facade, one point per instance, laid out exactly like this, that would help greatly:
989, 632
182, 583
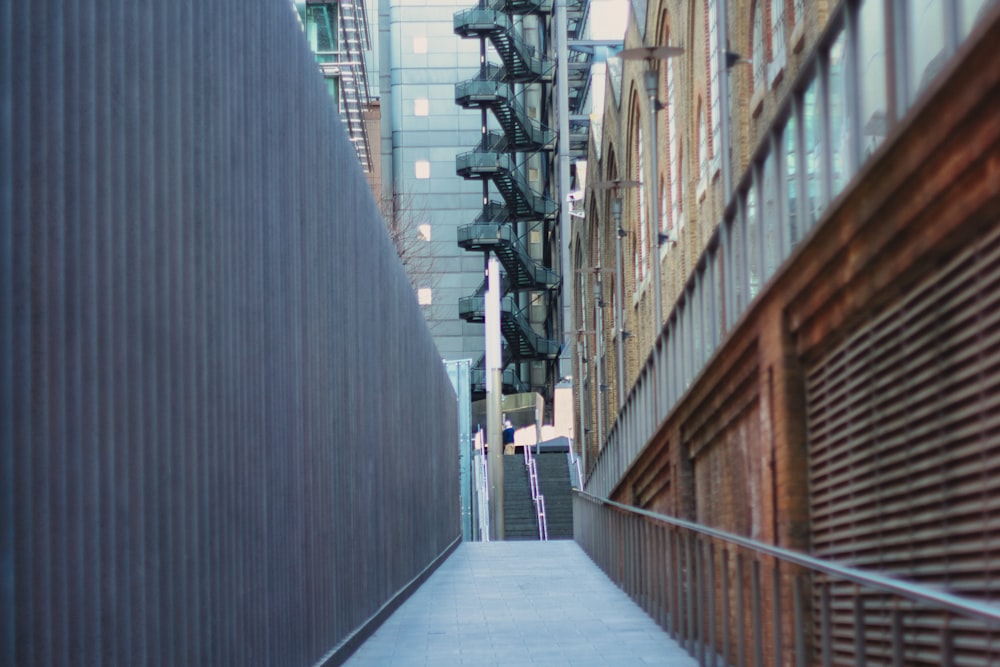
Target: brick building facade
823, 374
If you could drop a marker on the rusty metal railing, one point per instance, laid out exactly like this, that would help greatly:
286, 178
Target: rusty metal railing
730, 600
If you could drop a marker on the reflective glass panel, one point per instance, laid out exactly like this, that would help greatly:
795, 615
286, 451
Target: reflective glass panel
718, 319
737, 274
771, 218
791, 183
813, 153
840, 127
697, 335
972, 13
871, 53
752, 245
925, 32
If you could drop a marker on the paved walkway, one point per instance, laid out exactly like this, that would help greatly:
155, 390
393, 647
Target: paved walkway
520, 603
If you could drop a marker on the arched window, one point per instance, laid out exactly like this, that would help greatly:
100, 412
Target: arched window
678, 203
640, 243
778, 34
702, 148
673, 148
759, 55
714, 113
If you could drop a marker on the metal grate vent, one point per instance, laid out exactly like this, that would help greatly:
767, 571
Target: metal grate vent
904, 442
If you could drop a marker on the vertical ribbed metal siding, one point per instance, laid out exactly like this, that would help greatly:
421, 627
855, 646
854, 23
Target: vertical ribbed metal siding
904, 418
227, 437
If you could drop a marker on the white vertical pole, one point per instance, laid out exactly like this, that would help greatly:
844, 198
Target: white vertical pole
565, 221
494, 390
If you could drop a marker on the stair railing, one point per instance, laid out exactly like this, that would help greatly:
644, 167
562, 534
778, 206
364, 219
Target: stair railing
574, 466
481, 470
536, 496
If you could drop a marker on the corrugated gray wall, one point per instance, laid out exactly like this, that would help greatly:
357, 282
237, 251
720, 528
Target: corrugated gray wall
227, 437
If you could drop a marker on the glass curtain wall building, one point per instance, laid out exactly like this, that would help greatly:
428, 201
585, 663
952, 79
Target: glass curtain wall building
422, 129
530, 98
478, 83
338, 34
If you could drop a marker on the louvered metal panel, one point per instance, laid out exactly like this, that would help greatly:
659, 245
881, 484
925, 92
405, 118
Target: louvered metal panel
226, 436
904, 442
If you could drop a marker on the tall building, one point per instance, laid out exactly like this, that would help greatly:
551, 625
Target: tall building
337, 32
421, 60
530, 98
484, 113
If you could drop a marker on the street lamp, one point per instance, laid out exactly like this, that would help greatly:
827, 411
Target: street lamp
616, 214
651, 54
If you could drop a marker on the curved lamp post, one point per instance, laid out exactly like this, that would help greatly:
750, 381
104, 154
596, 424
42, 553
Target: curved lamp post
616, 213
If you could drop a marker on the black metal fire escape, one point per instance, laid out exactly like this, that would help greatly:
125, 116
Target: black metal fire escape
500, 158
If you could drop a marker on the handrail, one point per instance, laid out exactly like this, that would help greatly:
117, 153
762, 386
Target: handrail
712, 591
481, 467
914, 592
574, 466
536, 497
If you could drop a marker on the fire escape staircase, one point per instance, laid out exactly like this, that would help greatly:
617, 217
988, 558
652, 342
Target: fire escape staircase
499, 157
492, 159
492, 231
490, 90
521, 61
512, 384
524, 343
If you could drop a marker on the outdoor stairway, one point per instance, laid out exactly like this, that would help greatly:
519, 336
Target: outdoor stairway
518, 509
522, 340
554, 483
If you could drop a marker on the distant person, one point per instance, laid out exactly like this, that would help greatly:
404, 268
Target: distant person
508, 437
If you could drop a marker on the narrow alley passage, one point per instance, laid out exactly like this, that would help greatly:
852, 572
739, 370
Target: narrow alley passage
520, 603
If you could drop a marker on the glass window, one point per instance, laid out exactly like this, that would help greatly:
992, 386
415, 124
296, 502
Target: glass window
702, 148
972, 13
778, 33
686, 344
771, 218
674, 146
713, 78
813, 153
840, 126
737, 274
671, 366
752, 244
697, 335
791, 192
640, 268
715, 297
759, 63
321, 31
872, 69
925, 32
